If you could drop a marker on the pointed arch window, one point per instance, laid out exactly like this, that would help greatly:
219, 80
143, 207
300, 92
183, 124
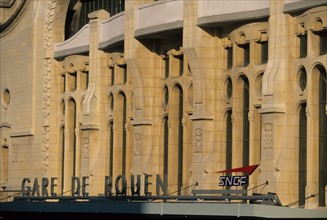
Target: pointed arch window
322, 136
111, 149
229, 57
302, 153
180, 141
303, 45
229, 142
323, 42
62, 137
246, 124
77, 14
264, 52
166, 136
121, 105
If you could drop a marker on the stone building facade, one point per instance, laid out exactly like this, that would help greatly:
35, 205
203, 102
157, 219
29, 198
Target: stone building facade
171, 87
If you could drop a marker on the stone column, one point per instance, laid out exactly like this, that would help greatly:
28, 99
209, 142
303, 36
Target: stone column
198, 47
312, 112
141, 64
276, 152
93, 127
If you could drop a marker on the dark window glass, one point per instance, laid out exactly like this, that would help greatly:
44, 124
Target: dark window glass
264, 52
229, 57
323, 43
229, 88
78, 17
124, 138
322, 137
111, 98
63, 148
125, 73
75, 140
166, 97
302, 154
246, 125
116, 7
166, 67
181, 65
70, 29
71, 146
229, 135
111, 150
87, 80
246, 48
180, 142
303, 79
165, 162
64, 83
112, 76
303, 46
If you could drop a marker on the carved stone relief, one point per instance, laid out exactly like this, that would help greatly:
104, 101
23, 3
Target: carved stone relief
14, 153
85, 148
198, 134
268, 135
45, 148
48, 23
138, 144
46, 83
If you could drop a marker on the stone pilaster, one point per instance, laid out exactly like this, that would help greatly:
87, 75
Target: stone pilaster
93, 128
140, 64
276, 150
198, 47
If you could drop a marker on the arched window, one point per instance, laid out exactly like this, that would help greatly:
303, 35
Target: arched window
302, 153
180, 141
72, 135
229, 142
246, 124
165, 153
68, 147
77, 14
176, 142
322, 136
111, 149
120, 109
62, 137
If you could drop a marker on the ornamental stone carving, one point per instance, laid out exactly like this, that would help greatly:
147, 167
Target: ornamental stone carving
46, 83
45, 148
14, 153
48, 24
198, 134
85, 148
267, 135
138, 144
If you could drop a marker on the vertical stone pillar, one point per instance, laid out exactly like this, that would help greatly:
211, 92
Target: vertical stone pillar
93, 127
198, 47
276, 151
141, 63
312, 113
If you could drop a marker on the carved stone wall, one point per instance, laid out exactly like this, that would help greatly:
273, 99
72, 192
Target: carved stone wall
46, 82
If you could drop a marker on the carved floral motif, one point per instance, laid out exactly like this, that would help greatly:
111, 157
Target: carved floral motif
85, 148
138, 144
14, 153
46, 80
268, 135
198, 134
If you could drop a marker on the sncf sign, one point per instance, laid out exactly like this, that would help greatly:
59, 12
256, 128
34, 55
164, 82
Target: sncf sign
233, 180
229, 180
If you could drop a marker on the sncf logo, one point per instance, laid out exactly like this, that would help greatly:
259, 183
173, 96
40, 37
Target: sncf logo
233, 180
236, 180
